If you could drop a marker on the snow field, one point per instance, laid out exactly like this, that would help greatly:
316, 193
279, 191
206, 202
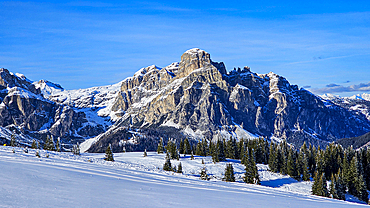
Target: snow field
65, 180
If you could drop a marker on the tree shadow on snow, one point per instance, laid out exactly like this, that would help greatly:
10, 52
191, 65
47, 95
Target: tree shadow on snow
278, 182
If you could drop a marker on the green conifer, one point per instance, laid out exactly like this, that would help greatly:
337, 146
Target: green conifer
229, 173
37, 153
160, 147
333, 193
76, 149
13, 141
167, 165
181, 147
58, 146
203, 174
34, 144
109, 154
179, 168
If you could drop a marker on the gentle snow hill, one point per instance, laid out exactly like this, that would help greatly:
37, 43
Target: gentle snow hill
65, 180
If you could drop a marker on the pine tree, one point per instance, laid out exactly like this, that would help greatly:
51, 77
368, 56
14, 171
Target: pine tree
352, 174
251, 172
203, 174
109, 154
361, 191
198, 149
333, 193
145, 154
319, 187
34, 144
340, 185
25, 150
248, 176
211, 148
37, 153
272, 158
49, 143
52, 144
76, 149
291, 166
220, 150
46, 144
202, 161
181, 147
171, 149
160, 147
13, 142
187, 146
230, 153
241, 149
167, 165
229, 173
179, 168
192, 156
58, 146
305, 172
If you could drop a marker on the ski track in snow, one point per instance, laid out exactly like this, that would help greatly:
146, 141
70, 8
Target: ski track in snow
88, 181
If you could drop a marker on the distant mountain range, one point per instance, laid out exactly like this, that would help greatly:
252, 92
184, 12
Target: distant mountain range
195, 98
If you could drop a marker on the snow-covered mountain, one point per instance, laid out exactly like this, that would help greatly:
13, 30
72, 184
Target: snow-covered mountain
194, 98
363, 96
198, 98
100, 98
27, 110
358, 104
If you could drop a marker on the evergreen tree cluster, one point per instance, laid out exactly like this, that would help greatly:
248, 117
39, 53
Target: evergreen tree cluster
171, 149
347, 169
251, 171
49, 143
167, 166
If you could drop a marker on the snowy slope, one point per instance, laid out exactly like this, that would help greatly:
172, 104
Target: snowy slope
64, 180
363, 96
360, 103
95, 97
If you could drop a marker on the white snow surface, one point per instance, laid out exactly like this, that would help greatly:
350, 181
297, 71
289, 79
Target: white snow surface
65, 180
363, 96
95, 97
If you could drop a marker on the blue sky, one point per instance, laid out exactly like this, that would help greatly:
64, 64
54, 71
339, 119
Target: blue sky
323, 46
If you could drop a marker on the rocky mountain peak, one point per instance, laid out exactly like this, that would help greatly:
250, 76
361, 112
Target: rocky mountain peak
10, 80
197, 98
197, 59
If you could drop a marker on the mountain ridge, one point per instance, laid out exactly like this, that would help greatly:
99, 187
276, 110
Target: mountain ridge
195, 98
201, 100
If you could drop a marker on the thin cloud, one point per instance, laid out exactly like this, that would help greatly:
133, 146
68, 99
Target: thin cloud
332, 85
334, 88
307, 86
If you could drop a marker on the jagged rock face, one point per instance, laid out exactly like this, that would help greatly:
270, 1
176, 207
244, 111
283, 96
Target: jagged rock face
199, 99
23, 108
